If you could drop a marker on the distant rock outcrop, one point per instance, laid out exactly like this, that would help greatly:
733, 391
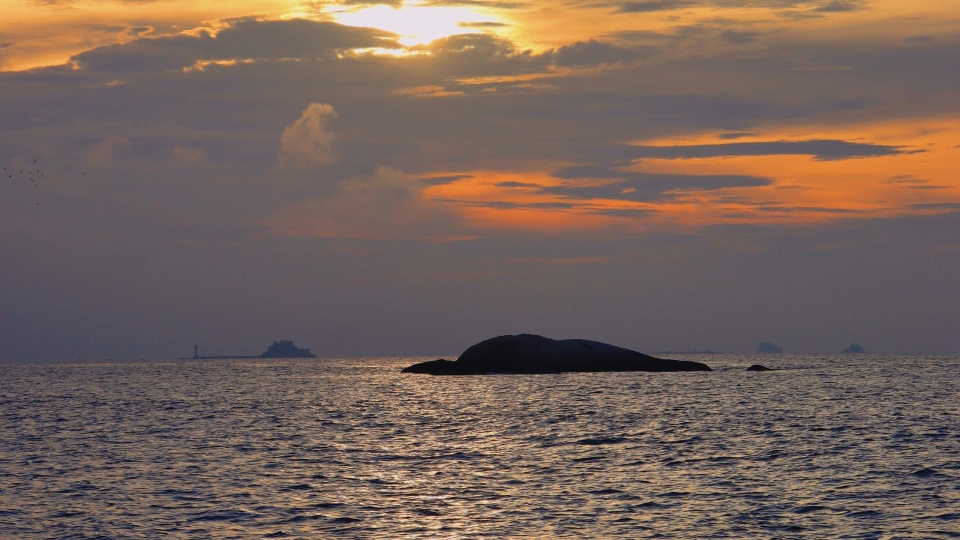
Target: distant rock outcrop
527, 353
854, 348
285, 349
768, 348
758, 367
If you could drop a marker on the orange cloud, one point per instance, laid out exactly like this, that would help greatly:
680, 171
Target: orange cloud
802, 190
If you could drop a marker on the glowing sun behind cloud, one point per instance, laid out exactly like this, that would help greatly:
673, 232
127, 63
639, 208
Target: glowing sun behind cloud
414, 23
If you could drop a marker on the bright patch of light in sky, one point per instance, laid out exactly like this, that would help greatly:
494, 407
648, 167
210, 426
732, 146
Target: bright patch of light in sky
414, 23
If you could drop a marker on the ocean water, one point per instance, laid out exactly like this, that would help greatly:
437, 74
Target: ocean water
863, 446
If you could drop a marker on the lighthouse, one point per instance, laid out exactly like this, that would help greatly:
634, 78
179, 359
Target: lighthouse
195, 355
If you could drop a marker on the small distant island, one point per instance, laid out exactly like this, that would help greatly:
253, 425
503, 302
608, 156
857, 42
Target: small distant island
283, 348
854, 349
532, 354
769, 348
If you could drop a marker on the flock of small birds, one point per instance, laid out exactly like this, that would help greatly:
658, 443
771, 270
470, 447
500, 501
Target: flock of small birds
32, 176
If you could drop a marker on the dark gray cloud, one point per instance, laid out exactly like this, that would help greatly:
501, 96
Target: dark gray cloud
904, 179
583, 207
478, 45
839, 6
591, 53
735, 135
633, 186
243, 38
740, 38
908, 181
630, 213
643, 187
473, 55
512, 184
105, 28
821, 150
924, 67
503, 205
679, 38
648, 6
804, 209
441, 180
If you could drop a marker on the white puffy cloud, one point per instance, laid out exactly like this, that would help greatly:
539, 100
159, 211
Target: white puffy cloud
308, 142
186, 157
103, 154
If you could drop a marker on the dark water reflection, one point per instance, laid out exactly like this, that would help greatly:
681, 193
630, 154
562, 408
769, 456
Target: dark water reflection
854, 447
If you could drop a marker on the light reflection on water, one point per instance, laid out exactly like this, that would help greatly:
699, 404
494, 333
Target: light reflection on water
862, 446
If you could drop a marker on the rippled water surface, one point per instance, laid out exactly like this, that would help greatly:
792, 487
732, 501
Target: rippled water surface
849, 446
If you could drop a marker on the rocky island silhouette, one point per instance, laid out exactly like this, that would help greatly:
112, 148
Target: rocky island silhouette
854, 349
283, 348
769, 348
530, 354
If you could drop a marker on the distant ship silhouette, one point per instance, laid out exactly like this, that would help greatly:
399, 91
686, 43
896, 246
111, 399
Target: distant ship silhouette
280, 349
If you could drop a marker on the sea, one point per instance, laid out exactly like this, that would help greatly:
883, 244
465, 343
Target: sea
842, 446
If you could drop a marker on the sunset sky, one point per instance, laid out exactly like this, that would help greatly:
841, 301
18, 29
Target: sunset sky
408, 178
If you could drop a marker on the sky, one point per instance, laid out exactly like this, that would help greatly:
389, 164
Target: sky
406, 177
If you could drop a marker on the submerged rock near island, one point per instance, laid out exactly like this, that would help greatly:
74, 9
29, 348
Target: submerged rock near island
758, 367
528, 353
